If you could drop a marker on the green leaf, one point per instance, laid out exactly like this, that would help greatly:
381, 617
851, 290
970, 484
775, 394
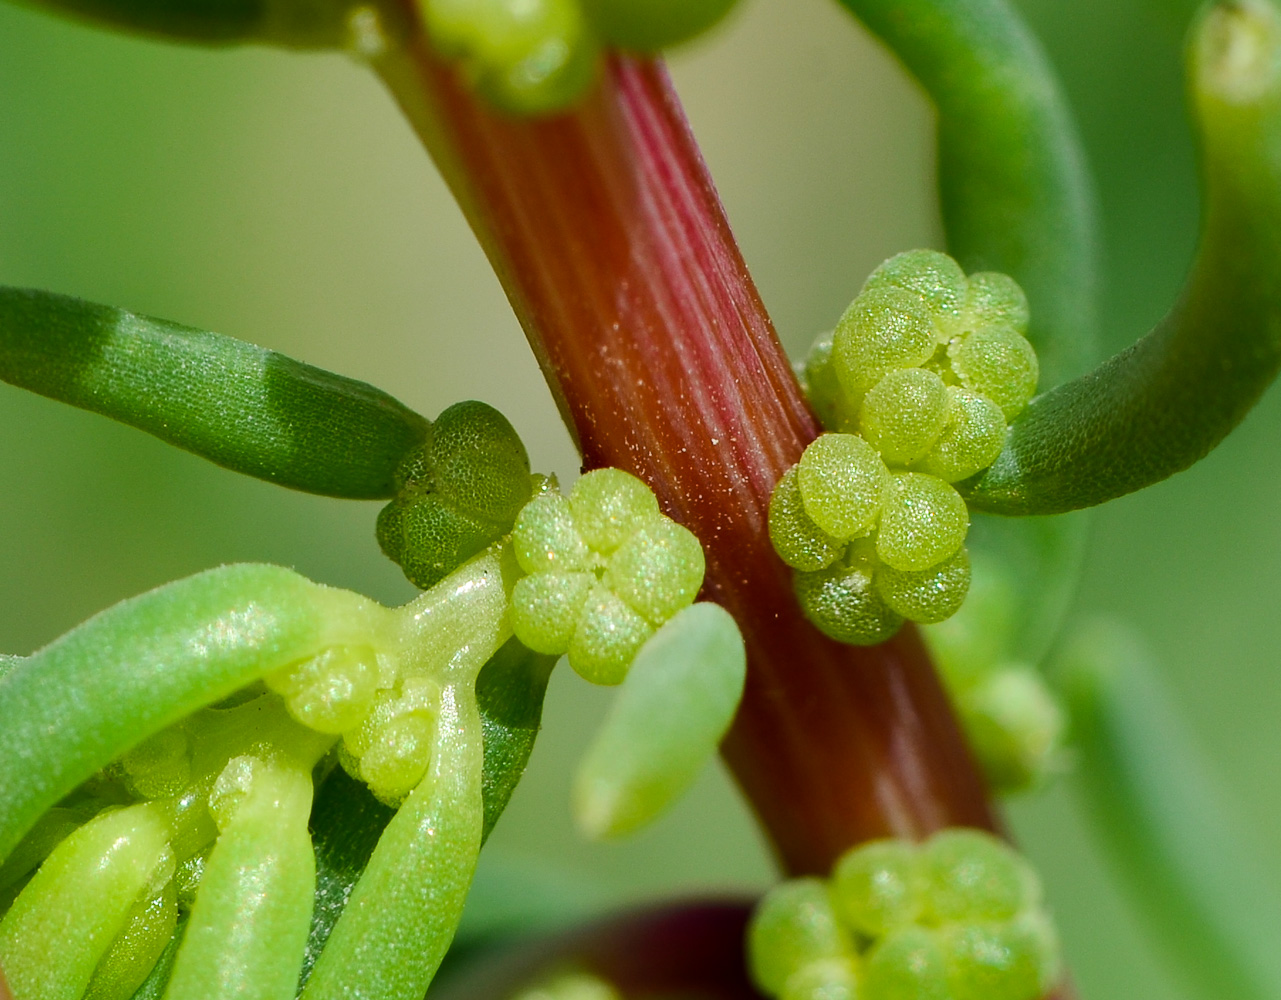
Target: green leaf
510, 692
130, 671
1164, 403
303, 24
1161, 817
671, 712
246, 408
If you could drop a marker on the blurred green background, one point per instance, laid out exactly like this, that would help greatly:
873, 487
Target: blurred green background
280, 199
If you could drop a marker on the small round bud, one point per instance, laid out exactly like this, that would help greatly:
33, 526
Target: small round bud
159, 767
923, 521
608, 637
973, 876
545, 609
793, 926
991, 961
609, 506
428, 539
398, 757
926, 595
331, 692
934, 276
826, 979
650, 25
878, 887
842, 602
998, 363
658, 570
973, 435
799, 542
833, 406
907, 964
995, 299
480, 464
1016, 727
884, 329
842, 480
526, 56
904, 414
546, 540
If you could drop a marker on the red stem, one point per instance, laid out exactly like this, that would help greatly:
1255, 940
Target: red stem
608, 236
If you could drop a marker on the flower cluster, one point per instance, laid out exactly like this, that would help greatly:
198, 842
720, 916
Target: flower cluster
917, 385
456, 493
956, 918
606, 569
533, 57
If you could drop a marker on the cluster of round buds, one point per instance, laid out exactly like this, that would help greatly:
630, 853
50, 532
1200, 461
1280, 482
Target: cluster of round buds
456, 493
1015, 722
917, 385
531, 57
606, 570
387, 719
958, 917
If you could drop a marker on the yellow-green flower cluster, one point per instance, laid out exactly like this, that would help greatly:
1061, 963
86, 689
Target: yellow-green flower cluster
606, 569
531, 57
916, 385
456, 493
958, 917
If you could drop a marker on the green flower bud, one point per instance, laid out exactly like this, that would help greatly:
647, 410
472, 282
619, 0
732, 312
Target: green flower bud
159, 767
793, 926
907, 964
923, 521
825, 979
991, 961
545, 609
926, 595
658, 570
835, 409
842, 483
1000, 364
545, 538
527, 57
904, 414
884, 329
842, 602
329, 693
934, 276
995, 299
879, 886
479, 462
608, 637
1016, 727
609, 506
798, 541
973, 435
974, 876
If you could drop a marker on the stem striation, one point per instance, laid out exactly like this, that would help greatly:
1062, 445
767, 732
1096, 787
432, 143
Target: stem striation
608, 236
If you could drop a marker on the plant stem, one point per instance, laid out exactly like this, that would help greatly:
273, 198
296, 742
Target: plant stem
608, 236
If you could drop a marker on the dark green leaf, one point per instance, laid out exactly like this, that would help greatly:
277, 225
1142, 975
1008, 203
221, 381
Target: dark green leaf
246, 408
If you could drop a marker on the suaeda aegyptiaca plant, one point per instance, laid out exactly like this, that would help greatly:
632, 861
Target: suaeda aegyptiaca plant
149, 725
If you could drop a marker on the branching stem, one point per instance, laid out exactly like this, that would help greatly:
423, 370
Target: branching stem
608, 236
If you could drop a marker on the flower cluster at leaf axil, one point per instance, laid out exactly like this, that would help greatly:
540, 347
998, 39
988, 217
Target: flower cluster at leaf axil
540, 56
606, 570
958, 917
916, 386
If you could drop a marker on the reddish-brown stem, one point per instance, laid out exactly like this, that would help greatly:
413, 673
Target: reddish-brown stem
608, 236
